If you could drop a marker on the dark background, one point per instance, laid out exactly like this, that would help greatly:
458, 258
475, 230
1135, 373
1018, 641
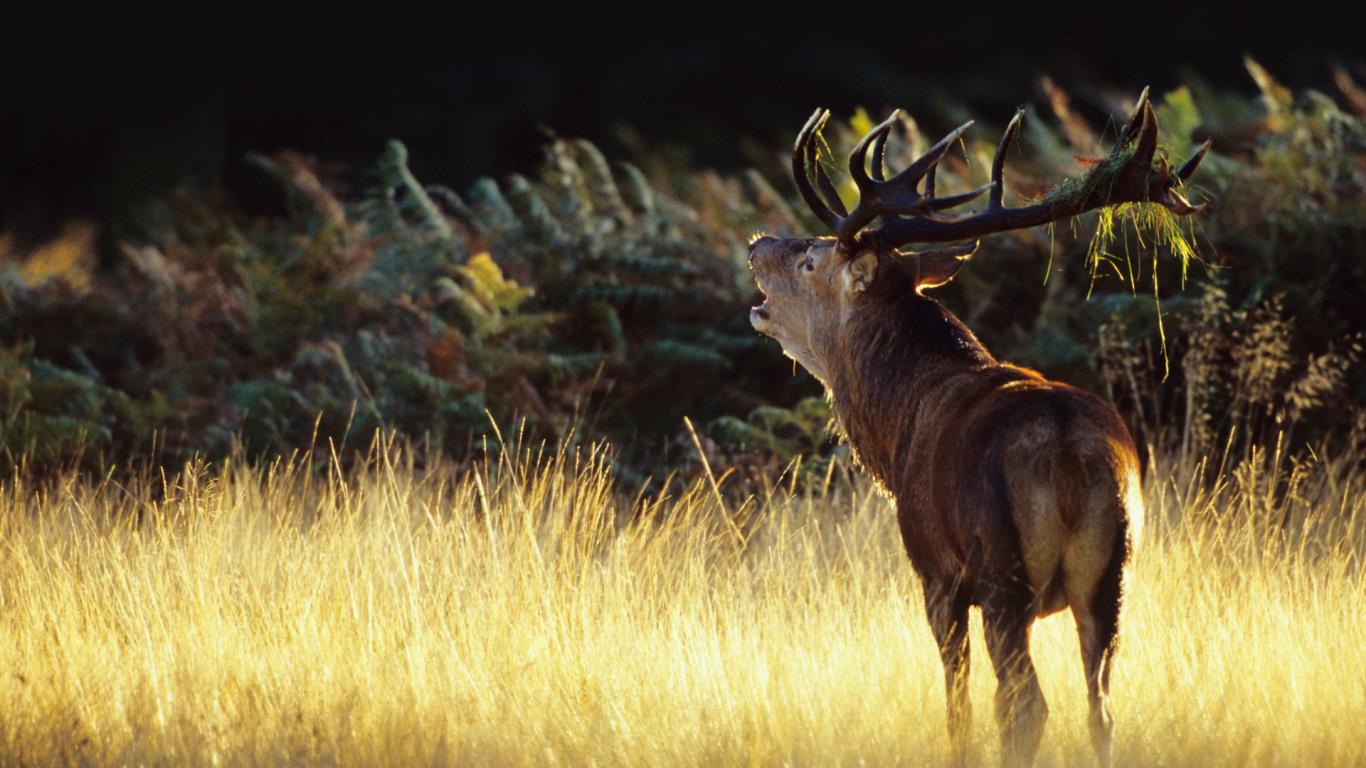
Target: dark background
93, 122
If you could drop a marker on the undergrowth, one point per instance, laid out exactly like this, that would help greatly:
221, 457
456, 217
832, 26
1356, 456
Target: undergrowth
599, 300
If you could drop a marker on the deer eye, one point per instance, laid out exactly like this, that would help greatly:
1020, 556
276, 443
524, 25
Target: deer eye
808, 265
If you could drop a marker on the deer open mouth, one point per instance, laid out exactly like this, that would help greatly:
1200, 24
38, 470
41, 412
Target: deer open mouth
759, 317
758, 314
760, 310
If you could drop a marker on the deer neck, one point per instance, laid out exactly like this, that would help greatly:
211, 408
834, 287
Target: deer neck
887, 386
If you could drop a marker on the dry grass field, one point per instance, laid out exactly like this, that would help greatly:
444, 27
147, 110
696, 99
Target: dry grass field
526, 612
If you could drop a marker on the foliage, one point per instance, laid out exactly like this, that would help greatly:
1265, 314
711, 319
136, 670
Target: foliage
590, 300
581, 298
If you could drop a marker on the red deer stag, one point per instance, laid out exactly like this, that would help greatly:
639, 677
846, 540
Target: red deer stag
1013, 493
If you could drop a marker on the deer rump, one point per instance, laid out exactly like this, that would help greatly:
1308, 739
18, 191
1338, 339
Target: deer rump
1022, 485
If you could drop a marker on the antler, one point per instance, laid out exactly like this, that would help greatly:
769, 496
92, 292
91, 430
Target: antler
1130, 174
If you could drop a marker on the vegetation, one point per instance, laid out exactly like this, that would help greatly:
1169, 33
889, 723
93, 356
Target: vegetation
575, 300
523, 611
256, 507
596, 302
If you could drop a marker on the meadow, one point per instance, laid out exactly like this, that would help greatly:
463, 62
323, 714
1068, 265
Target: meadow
525, 609
201, 563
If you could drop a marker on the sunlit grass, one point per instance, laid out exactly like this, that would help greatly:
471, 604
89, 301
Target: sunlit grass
525, 612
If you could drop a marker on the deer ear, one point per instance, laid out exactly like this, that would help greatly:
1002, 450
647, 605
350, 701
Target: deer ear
860, 271
935, 268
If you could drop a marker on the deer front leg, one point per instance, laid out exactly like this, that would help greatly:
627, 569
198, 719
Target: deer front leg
948, 614
1020, 707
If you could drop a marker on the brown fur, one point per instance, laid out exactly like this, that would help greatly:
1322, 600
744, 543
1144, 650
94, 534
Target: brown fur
1013, 493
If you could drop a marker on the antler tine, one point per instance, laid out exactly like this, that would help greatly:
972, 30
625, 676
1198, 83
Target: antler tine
879, 148
858, 158
1188, 167
801, 157
824, 186
1178, 204
1147, 139
998, 188
1134, 122
925, 162
823, 183
953, 201
1173, 199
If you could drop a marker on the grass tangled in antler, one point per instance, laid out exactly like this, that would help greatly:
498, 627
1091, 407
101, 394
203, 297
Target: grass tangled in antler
1154, 229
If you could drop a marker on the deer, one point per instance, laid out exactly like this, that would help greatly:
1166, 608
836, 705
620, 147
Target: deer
1014, 494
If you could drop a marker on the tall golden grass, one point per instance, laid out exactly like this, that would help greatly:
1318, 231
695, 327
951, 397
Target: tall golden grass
523, 611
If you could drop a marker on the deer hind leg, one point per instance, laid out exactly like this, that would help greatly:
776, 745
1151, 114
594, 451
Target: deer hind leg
1096, 608
948, 615
1020, 707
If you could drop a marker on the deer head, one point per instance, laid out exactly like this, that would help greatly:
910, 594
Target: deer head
811, 285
